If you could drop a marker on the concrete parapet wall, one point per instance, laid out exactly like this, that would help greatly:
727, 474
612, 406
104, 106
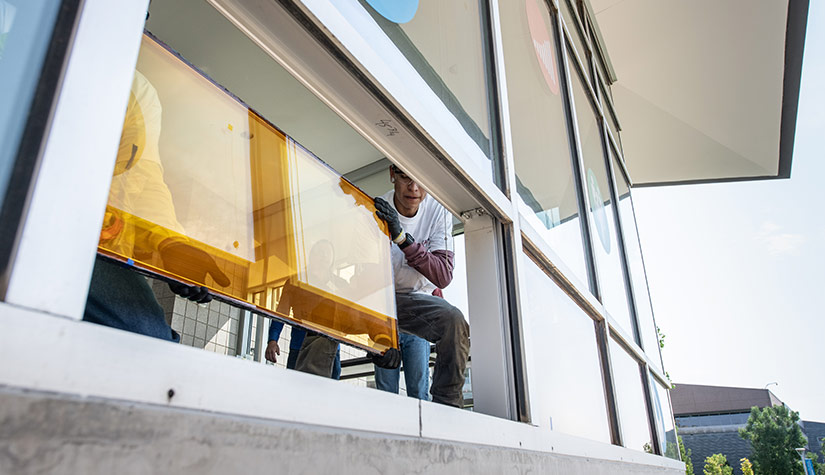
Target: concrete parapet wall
46, 433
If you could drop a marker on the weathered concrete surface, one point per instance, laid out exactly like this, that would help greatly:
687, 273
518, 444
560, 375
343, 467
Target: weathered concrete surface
57, 434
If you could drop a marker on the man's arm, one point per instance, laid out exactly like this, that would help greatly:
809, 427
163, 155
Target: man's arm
272, 348
436, 266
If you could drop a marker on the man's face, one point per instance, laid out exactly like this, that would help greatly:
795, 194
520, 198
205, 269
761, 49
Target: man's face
407, 192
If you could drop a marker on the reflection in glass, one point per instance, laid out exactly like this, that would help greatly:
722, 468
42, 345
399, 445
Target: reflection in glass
635, 265
207, 192
606, 249
664, 420
25, 32
571, 21
630, 399
541, 148
566, 389
443, 41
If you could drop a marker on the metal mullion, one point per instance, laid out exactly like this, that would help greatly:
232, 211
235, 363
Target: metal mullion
509, 235
658, 446
566, 35
580, 24
488, 48
602, 342
578, 166
601, 327
620, 157
625, 261
643, 365
620, 235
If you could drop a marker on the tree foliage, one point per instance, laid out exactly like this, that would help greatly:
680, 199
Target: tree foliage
774, 435
717, 464
686, 453
746, 466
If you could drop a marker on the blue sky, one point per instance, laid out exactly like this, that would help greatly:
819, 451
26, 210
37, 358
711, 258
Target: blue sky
736, 269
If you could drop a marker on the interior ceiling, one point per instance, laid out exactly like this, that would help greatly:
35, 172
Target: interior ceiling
699, 86
208, 40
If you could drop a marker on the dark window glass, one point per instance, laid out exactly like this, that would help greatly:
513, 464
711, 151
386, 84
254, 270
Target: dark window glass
444, 42
25, 32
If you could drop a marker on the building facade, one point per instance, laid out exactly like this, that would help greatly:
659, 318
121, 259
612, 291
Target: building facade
265, 127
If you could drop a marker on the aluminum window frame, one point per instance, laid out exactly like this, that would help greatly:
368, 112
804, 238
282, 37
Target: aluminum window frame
151, 388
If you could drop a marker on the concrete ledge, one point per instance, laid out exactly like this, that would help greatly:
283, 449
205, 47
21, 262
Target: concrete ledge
56, 433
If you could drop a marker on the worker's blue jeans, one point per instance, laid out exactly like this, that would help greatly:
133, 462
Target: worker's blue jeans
415, 359
121, 298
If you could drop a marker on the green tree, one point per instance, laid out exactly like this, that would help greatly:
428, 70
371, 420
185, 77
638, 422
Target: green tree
717, 464
746, 466
774, 435
819, 468
686, 453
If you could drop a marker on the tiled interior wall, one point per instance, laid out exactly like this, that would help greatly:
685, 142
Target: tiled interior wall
215, 327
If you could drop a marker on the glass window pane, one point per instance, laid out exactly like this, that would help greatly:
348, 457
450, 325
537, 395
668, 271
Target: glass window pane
572, 23
566, 388
602, 213
25, 31
541, 148
207, 192
664, 419
638, 279
630, 399
444, 42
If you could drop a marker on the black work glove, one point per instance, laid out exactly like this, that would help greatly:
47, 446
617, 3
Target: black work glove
391, 359
187, 261
192, 292
386, 212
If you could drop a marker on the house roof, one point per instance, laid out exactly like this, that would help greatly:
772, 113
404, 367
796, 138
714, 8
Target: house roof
697, 399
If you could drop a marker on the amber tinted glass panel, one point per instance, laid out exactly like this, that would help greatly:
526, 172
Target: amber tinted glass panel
541, 148
207, 192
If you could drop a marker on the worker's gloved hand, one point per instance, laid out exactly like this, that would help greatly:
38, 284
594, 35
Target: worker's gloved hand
386, 212
189, 262
391, 359
192, 292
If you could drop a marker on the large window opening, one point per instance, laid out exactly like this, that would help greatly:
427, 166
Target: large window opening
233, 178
547, 190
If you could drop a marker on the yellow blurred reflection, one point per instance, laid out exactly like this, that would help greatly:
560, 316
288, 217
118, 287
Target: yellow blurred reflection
207, 192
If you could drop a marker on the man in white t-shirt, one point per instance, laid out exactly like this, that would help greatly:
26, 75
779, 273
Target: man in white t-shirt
422, 260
